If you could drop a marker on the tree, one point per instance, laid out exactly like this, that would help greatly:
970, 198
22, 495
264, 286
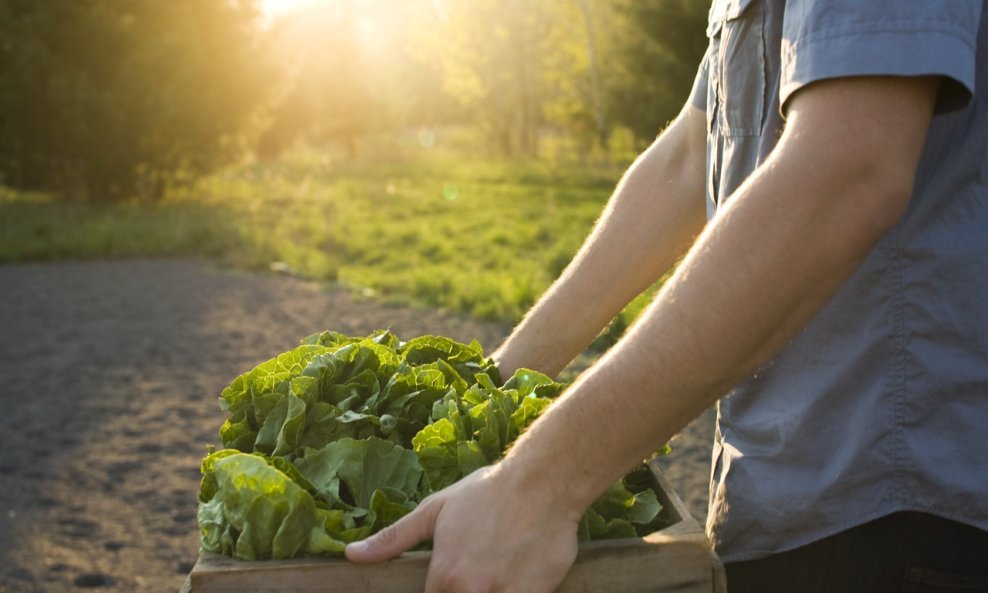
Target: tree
353, 72
578, 66
596, 86
493, 54
657, 46
115, 98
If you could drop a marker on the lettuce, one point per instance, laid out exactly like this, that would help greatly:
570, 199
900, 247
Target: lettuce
342, 436
258, 512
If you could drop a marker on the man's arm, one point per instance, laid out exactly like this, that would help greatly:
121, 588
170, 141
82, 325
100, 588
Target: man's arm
839, 179
651, 220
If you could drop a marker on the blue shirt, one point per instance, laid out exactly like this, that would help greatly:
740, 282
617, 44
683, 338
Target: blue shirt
881, 403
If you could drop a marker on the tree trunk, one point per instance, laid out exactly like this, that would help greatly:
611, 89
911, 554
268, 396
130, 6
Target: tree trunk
596, 91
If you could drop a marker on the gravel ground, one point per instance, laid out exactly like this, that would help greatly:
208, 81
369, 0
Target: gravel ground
109, 373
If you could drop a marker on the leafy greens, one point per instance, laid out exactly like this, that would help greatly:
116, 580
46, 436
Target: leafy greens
341, 436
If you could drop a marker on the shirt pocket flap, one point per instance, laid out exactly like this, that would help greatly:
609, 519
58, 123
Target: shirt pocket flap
722, 11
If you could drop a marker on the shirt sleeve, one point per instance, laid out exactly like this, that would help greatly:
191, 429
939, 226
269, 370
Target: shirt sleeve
698, 95
824, 39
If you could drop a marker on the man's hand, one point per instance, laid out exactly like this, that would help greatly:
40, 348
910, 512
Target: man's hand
489, 534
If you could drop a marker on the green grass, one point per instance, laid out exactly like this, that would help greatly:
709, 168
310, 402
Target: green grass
480, 237
35, 227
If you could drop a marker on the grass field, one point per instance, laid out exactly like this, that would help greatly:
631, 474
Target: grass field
480, 237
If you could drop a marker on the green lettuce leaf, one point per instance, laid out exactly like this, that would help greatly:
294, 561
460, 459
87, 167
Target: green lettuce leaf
436, 447
363, 466
256, 512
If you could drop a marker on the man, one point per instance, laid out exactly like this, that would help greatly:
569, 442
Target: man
840, 289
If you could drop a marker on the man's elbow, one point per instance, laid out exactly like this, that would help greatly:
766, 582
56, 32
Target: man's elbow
886, 188
867, 133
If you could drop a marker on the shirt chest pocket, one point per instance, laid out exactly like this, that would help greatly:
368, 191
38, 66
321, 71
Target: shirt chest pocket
736, 83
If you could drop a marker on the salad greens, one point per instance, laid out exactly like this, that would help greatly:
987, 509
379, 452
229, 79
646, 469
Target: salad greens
341, 436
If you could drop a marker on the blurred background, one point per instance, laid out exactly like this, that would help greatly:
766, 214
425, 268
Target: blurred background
451, 153
180, 180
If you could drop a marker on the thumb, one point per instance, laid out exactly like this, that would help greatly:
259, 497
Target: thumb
398, 537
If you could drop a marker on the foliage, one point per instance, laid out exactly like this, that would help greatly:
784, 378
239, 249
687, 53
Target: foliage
36, 227
482, 237
342, 436
582, 67
479, 237
660, 47
112, 98
350, 73
494, 57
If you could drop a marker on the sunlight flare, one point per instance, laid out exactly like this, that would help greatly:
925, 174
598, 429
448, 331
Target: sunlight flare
275, 8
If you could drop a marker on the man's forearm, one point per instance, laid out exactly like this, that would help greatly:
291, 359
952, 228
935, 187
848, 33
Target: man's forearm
839, 178
652, 218
783, 246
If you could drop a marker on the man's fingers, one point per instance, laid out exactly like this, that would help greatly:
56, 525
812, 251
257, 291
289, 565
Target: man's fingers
391, 541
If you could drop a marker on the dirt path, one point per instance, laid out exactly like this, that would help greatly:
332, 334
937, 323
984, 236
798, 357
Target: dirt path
109, 373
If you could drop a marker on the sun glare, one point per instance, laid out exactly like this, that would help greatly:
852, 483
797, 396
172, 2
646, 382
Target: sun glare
275, 8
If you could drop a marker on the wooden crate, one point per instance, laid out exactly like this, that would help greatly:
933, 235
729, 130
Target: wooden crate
677, 558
